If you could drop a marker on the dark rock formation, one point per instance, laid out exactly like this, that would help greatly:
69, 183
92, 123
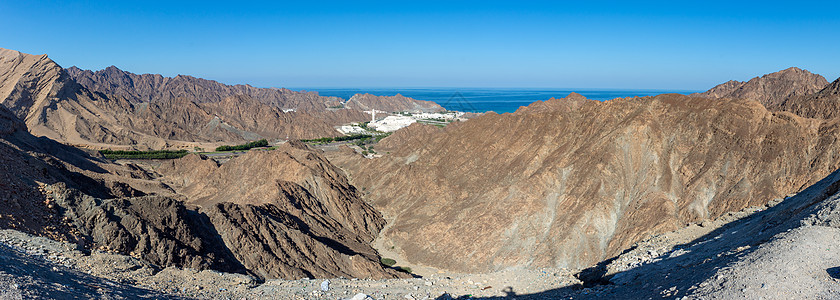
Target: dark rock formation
285, 213
824, 104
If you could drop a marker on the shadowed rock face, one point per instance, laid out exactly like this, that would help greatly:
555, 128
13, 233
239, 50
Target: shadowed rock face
824, 104
286, 213
292, 177
397, 103
569, 182
27, 163
771, 89
158, 230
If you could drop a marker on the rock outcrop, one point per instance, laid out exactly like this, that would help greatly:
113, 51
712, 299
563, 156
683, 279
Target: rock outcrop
824, 104
397, 103
569, 182
158, 230
770, 89
285, 213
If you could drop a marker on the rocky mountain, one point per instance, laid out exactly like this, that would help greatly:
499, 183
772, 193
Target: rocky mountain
770, 89
397, 103
149, 111
308, 221
152, 87
824, 104
569, 182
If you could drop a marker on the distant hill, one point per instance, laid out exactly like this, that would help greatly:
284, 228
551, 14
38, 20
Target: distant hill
154, 87
397, 103
791, 90
771, 89
824, 104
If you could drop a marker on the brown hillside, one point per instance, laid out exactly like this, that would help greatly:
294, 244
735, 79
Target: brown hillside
290, 200
569, 182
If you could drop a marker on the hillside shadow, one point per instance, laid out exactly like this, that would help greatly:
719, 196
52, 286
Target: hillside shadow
671, 275
225, 260
44, 146
30, 276
833, 272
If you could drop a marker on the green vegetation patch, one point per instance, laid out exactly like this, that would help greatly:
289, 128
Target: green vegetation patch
387, 261
326, 140
243, 147
153, 154
403, 269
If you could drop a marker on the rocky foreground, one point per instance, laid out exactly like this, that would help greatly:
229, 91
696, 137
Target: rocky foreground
784, 250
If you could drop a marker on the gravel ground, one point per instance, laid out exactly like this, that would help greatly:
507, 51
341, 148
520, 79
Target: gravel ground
29, 271
66, 272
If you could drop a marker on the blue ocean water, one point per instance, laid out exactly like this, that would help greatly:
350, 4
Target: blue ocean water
500, 100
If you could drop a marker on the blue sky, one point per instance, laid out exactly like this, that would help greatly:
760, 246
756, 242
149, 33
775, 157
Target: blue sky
637, 45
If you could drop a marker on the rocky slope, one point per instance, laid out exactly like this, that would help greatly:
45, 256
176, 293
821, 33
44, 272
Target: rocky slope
289, 198
397, 103
786, 250
569, 182
824, 104
770, 89
28, 163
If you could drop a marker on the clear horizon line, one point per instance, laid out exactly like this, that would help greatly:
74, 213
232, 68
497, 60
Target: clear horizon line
313, 88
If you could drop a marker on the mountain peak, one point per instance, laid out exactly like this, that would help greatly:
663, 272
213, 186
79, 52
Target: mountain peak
770, 89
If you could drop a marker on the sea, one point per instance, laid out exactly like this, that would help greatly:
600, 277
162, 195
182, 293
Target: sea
500, 100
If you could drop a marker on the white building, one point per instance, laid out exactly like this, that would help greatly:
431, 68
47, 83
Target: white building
351, 129
449, 116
